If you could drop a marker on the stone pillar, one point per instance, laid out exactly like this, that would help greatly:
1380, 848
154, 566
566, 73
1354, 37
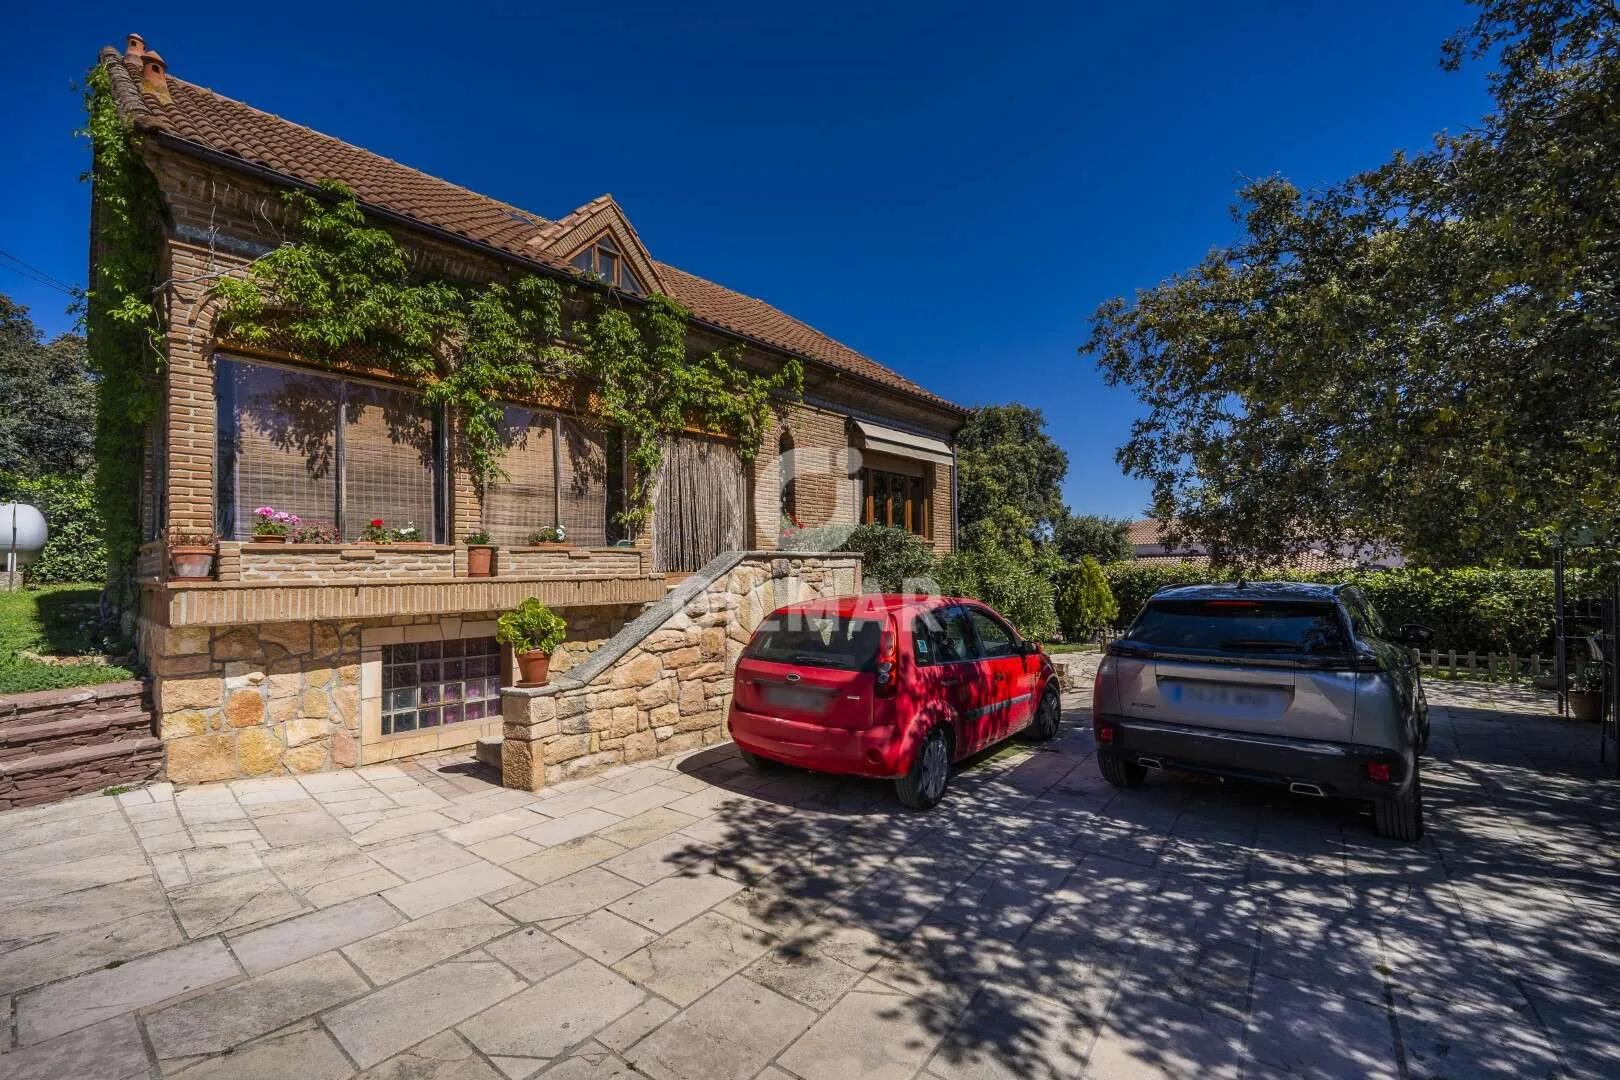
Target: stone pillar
528, 721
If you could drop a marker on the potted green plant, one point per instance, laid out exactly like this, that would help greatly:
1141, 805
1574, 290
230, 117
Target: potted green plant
552, 536
1586, 693
532, 630
480, 553
408, 533
376, 532
272, 526
191, 554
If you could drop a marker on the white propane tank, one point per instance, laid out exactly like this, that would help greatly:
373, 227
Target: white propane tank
22, 535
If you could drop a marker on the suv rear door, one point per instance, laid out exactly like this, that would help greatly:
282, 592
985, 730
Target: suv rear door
1269, 666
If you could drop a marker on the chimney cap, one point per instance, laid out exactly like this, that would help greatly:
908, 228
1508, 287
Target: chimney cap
154, 60
136, 45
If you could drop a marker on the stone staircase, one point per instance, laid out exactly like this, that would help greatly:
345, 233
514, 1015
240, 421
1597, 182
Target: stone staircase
57, 743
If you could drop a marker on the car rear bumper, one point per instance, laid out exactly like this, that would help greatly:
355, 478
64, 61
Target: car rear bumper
882, 751
1335, 768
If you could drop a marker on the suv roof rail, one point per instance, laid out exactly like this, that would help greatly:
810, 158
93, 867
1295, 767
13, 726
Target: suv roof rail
1177, 585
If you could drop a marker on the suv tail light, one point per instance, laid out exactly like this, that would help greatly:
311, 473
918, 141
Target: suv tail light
1378, 772
1103, 730
888, 659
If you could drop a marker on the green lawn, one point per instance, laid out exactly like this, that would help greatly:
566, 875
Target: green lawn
1070, 646
50, 621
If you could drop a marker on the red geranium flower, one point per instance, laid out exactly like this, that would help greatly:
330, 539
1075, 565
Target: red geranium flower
376, 523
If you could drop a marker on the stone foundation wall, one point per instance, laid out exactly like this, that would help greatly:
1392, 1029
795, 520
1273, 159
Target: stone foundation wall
301, 697
663, 685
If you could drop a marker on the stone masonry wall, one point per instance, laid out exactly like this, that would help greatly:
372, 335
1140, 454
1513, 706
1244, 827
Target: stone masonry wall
664, 684
301, 697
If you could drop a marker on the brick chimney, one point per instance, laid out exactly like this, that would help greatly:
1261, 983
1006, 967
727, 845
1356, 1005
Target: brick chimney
136, 47
154, 76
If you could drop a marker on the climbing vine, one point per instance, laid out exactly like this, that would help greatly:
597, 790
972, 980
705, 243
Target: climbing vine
123, 328
346, 287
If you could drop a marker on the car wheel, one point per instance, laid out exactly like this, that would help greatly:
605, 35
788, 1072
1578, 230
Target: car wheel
757, 763
1402, 818
1119, 772
1048, 716
924, 784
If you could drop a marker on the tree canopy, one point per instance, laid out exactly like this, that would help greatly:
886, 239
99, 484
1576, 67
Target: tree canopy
1010, 478
1076, 536
47, 399
1426, 355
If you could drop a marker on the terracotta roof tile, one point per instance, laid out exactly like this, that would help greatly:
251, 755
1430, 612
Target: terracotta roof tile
217, 123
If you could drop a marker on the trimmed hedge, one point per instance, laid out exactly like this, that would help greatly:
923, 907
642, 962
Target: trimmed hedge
1470, 609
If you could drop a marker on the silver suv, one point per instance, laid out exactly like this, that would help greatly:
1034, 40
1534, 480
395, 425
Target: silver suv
1284, 683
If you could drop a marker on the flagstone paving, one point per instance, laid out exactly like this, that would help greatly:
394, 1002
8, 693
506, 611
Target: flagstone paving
694, 920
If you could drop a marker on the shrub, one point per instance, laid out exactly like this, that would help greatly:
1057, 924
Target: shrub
891, 557
1470, 609
76, 549
531, 627
1007, 584
1085, 603
477, 538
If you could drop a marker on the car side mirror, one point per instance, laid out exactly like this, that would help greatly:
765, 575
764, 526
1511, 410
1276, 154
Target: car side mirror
1415, 634
1029, 648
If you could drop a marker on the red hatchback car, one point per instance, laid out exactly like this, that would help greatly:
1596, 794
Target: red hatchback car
895, 687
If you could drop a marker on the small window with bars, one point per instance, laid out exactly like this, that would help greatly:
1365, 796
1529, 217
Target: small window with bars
429, 684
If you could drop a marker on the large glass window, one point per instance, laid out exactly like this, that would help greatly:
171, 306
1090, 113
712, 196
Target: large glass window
895, 499
328, 449
432, 683
557, 473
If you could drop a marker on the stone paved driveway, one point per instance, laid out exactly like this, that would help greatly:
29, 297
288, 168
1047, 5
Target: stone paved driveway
693, 919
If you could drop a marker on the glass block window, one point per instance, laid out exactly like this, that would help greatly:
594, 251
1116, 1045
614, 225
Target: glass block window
432, 683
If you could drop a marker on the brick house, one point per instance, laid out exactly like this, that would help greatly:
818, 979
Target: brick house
305, 657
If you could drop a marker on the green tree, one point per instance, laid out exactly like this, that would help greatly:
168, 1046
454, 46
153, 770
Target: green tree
1008, 584
1425, 355
1076, 536
1009, 478
47, 398
1085, 603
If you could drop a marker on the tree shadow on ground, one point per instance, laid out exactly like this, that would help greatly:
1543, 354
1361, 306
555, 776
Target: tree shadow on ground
1038, 920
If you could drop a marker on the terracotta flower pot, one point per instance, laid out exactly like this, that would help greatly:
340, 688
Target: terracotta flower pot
480, 560
1586, 704
191, 562
269, 538
534, 668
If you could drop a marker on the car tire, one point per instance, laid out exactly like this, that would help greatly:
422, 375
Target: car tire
925, 782
1048, 716
757, 763
1119, 772
1402, 818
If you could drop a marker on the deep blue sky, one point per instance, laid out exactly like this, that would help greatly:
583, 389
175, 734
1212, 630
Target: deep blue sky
950, 188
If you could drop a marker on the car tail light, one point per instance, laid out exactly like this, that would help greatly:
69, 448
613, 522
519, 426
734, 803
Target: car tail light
1378, 772
888, 657
1104, 731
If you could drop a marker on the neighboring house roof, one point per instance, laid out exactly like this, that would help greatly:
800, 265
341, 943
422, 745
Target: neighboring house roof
1147, 538
200, 117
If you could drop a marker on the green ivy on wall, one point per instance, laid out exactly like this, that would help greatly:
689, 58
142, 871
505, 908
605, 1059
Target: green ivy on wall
346, 287
123, 329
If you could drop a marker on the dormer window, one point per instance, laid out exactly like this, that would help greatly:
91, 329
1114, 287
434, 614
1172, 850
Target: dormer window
605, 261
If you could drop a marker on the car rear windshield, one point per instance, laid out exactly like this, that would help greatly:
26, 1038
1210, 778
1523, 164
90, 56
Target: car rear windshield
1276, 627
820, 640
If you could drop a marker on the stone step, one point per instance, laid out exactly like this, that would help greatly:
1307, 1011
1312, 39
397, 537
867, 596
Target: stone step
27, 708
42, 778
61, 732
488, 750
